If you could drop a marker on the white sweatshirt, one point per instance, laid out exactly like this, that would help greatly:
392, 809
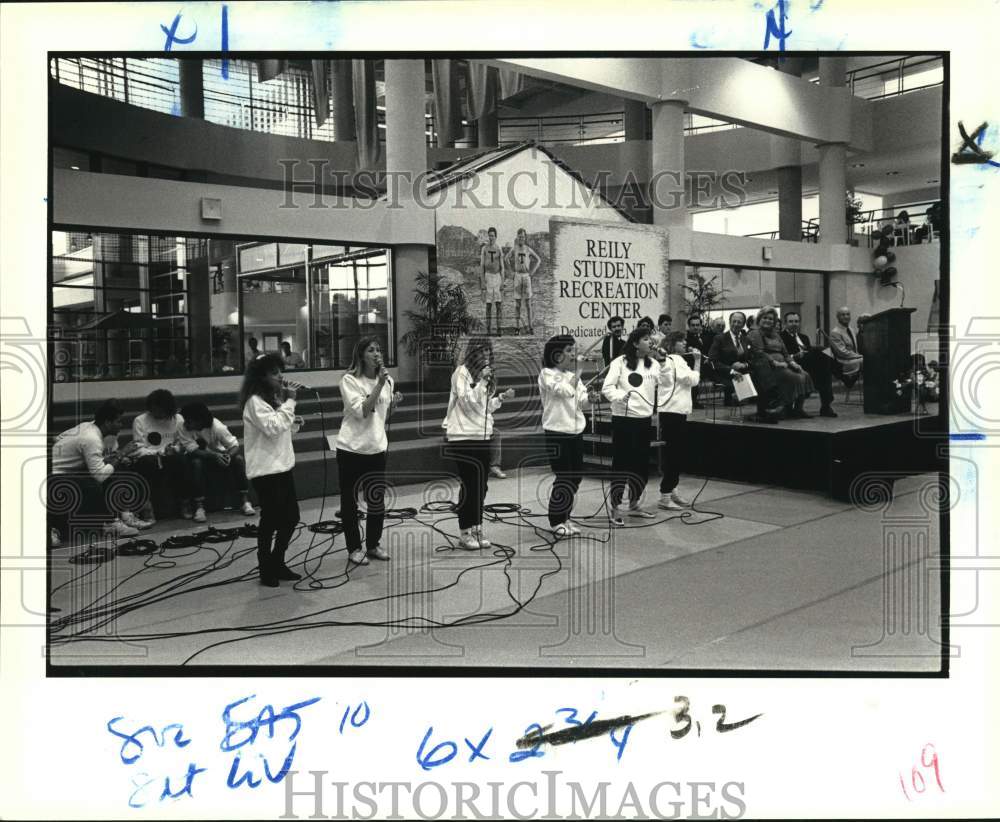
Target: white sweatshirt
267, 437
629, 400
81, 449
360, 434
562, 402
168, 430
676, 383
470, 411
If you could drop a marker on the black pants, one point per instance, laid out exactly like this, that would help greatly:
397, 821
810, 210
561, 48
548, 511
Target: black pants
164, 473
630, 438
76, 499
201, 467
472, 463
279, 514
365, 474
566, 459
819, 366
672, 433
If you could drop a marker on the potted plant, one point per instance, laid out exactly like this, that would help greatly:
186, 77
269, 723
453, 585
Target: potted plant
441, 319
702, 296
852, 214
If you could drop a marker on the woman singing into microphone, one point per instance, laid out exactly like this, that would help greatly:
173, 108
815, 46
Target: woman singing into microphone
631, 385
269, 421
563, 398
469, 427
367, 391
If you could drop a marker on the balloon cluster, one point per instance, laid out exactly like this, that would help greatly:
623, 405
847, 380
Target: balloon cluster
883, 257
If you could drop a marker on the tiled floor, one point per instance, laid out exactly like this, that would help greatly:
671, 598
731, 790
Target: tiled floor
754, 578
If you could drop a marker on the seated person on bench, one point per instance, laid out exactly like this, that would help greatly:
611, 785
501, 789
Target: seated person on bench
210, 449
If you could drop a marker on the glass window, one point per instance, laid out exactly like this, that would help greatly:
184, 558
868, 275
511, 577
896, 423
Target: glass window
139, 305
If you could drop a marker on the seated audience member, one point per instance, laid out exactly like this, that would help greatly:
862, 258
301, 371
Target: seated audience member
254, 347
663, 326
79, 456
924, 379
811, 359
647, 323
729, 354
614, 342
751, 322
211, 449
159, 458
848, 361
291, 358
772, 367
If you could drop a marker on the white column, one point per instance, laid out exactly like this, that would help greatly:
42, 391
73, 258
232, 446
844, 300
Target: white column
832, 191
667, 193
405, 125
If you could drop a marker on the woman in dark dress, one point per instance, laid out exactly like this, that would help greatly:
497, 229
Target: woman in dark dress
770, 365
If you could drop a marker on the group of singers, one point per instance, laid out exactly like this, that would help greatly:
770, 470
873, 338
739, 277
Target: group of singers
645, 379
649, 376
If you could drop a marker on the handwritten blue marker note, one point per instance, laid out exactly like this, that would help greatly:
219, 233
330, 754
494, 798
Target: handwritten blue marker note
267, 719
776, 28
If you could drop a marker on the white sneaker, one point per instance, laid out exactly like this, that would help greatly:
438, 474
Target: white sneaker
573, 530
562, 531
468, 540
378, 552
247, 509
132, 521
358, 557
668, 502
497, 471
616, 518
186, 510
684, 503
636, 511
480, 535
55, 541
120, 529
199, 514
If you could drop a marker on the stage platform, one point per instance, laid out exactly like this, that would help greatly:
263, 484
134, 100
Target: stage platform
819, 454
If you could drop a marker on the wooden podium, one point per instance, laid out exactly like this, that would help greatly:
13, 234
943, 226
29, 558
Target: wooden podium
886, 344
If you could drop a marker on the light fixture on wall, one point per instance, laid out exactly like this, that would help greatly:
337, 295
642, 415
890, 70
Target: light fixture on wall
211, 208
767, 252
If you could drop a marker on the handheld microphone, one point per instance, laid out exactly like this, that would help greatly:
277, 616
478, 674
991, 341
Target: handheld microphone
295, 385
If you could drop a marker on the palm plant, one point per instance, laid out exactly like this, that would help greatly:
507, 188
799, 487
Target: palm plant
441, 320
702, 295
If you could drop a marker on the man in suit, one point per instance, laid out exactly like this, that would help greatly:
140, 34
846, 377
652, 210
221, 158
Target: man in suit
816, 364
844, 344
614, 342
728, 354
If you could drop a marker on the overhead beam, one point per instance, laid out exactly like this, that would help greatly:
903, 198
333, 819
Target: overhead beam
726, 88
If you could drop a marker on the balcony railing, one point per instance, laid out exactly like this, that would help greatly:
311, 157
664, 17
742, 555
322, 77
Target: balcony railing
917, 227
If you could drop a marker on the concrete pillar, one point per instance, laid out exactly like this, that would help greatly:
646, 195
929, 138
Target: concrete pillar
634, 120
832, 192
489, 130
667, 180
832, 71
789, 203
667, 191
192, 93
342, 100
405, 124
